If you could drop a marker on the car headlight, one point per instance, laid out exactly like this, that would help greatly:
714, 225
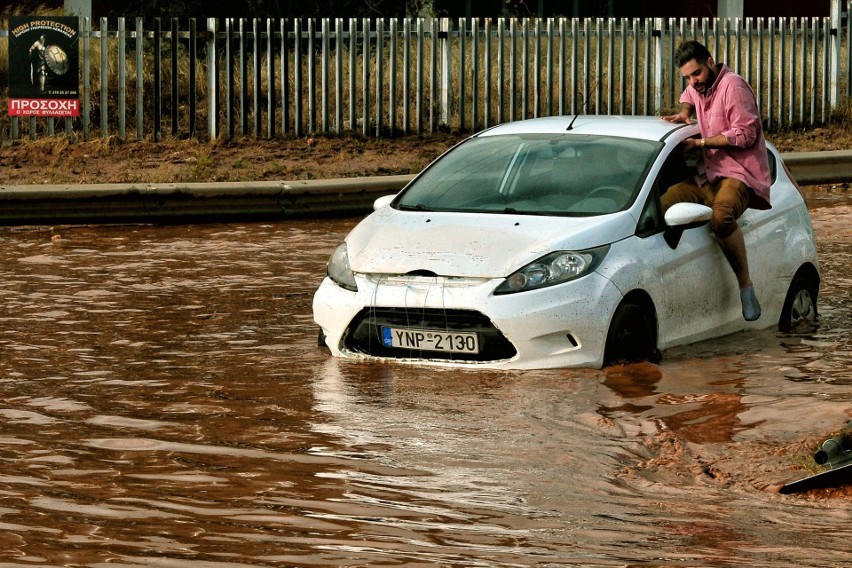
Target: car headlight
555, 268
338, 269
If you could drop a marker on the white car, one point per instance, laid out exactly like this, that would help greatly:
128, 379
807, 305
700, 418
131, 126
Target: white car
542, 243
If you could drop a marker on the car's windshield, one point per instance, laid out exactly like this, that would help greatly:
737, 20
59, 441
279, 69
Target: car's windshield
542, 174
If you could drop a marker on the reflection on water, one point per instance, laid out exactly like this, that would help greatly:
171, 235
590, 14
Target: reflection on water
163, 402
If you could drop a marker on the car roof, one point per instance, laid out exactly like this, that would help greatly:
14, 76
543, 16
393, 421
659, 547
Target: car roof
638, 127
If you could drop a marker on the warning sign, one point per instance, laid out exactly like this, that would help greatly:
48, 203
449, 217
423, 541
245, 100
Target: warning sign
43, 66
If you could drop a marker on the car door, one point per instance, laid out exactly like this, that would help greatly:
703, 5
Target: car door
697, 295
766, 233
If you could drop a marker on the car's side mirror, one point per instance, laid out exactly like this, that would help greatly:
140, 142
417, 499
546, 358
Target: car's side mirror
683, 216
382, 201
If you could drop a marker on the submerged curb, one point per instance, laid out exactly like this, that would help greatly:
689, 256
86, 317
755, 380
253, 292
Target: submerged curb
182, 202
813, 168
188, 202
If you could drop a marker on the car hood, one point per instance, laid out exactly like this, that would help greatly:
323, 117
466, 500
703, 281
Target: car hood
472, 245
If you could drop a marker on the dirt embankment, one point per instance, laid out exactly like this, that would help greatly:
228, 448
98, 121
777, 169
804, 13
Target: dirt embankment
56, 161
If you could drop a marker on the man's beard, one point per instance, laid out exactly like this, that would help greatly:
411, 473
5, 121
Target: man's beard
704, 86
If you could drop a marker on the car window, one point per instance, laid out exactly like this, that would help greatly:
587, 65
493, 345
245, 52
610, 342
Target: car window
553, 174
677, 167
773, 166
651, 219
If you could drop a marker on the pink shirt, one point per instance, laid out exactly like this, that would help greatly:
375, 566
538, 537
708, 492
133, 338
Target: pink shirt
729, 108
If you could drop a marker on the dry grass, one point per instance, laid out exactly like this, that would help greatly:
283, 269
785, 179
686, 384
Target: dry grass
835, 134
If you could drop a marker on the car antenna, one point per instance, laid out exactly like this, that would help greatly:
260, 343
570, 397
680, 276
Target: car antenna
583, 106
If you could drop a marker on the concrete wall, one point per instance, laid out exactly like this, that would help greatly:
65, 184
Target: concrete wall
634, 8
81, 8
730, 8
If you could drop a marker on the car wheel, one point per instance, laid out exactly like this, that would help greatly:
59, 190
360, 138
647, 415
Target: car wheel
632, 335
800, 305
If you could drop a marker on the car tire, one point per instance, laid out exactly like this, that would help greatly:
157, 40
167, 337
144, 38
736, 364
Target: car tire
800, 305
632, 335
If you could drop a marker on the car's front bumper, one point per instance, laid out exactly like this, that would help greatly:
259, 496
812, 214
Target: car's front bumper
559, 326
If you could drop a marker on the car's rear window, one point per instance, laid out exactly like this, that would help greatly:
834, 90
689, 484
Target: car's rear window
565, 174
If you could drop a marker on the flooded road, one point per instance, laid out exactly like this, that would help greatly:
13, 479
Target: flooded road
163, 402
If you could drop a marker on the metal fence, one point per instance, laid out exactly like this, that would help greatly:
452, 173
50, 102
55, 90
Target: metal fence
384, 77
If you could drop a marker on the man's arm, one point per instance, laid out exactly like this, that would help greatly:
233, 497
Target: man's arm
718, 141
743, 117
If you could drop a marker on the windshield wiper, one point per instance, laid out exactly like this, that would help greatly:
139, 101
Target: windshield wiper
416, 207
513, 211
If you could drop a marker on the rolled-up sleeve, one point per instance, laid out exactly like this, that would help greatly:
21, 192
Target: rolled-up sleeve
743, 126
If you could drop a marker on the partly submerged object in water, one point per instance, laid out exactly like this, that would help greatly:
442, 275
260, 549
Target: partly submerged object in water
836, 454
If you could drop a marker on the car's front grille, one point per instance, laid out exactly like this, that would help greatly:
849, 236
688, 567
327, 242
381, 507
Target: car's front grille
365, 333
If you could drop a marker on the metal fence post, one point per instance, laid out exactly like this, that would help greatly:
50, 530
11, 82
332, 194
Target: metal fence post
87, 59
462, 85
256, 70
175, 47
446, 71
501, 71
270, 81
659, 24
122, 87
325, 73
433, 73
834, 65
419, 77
338, 76
406, 75
285, 79
140, 81
525, 68
157, 103
365, 76
192, 76
244, 80
297, 77
104, 79
212, 76
353, 75
392, 67
312, 76
486, 103
380, 74
599, 64
229, 78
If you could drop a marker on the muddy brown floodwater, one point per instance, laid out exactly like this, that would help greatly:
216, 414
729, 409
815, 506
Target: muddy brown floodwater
163, 403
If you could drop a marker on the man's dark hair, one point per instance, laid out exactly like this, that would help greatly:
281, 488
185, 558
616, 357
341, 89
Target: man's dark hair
689, 50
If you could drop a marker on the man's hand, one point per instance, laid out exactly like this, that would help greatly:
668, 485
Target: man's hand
690, 145
684, 116
679, 117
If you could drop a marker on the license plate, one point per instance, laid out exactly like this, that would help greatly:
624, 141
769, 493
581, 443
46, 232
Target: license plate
430, 340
